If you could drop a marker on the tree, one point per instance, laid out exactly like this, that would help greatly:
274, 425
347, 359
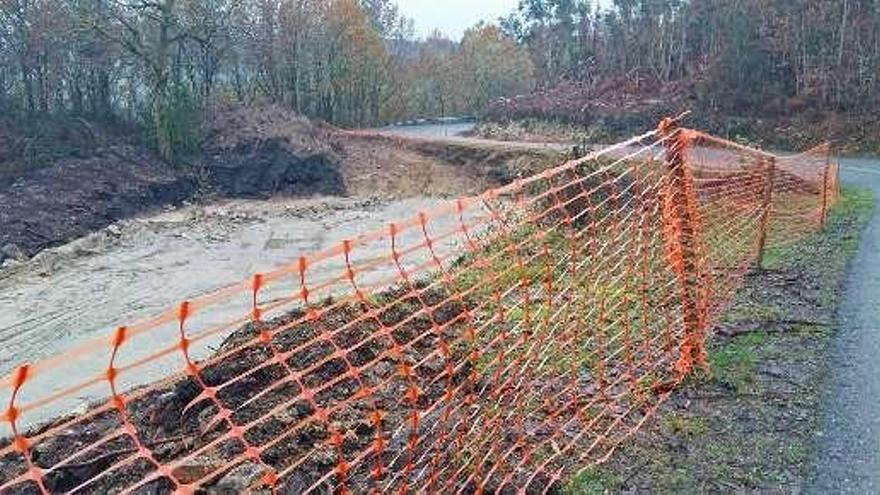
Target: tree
209, 25
492, 65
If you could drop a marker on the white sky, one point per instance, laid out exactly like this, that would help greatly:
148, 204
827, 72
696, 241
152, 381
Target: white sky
452, 17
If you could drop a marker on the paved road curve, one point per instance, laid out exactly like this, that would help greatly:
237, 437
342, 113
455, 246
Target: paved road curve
848, 459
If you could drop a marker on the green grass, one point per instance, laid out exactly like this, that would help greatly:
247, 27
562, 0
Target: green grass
856, 204
591, 481
525, 260
684, 426
734, 364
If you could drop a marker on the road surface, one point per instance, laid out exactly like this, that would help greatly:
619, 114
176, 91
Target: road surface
848, 450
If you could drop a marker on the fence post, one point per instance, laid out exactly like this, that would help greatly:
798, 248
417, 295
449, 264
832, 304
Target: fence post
838, 192
767, 201
823, 206
681, 231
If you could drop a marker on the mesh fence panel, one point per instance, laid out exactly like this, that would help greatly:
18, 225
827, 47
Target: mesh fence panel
496, 344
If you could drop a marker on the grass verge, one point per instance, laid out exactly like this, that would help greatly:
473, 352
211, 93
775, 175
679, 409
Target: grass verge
750, 426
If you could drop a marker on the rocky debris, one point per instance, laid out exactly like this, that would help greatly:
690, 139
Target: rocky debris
10, 252
114, 230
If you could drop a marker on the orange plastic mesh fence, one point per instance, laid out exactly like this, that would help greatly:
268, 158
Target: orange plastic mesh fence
498, 343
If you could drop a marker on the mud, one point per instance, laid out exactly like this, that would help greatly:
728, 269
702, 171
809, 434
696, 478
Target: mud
71, 292
268, 151
246, 153
140, 267
262, 169
76, 196
172, 419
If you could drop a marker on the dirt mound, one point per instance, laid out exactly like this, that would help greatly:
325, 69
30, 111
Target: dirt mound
247, 152
174, 416
265, 167
29, 145
266, 150
228, 126
76, 196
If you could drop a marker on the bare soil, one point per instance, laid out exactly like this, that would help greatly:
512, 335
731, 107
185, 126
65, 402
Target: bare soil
246, 153
75, 196
173, 423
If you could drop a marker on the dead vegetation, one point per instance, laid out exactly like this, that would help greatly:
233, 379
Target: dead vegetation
610, 108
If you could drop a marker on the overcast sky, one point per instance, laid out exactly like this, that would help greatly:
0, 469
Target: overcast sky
453, 16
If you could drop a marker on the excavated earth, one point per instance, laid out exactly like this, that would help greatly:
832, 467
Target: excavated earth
246, 153
123, 194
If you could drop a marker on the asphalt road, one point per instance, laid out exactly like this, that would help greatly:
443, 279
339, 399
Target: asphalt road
848, 451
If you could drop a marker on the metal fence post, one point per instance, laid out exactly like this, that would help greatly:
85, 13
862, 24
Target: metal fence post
767, 201
682, 234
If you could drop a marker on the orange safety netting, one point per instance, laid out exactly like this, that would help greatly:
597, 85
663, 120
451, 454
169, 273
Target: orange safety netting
498, 343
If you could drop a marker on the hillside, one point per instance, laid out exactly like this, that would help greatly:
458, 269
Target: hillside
618, 106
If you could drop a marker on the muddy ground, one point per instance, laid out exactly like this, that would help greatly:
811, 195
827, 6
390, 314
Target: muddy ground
172, 419
253, 153
751, 426
139, 267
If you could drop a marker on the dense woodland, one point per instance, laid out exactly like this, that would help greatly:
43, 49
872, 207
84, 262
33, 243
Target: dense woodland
158, 64
740, 54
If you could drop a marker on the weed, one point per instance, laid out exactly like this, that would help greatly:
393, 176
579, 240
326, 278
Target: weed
761, 397
591, 481
734, 363
684, 426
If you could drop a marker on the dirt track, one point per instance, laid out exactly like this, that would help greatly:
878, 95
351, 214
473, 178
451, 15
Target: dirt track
849, 446
140, 267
